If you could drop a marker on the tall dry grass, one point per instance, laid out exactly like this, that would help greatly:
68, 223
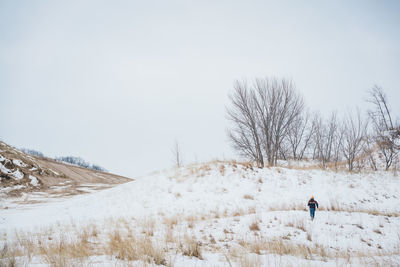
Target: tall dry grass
191, 247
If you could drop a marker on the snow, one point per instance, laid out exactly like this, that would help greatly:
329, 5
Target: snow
18, 174
3, 169
359, 212
8, 189
56, 173
19, 163
34, 180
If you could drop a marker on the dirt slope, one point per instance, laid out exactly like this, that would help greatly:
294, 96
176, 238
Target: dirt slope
21, 173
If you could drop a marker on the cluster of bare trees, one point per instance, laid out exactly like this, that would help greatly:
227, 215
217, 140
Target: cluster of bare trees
80, 162
270, 122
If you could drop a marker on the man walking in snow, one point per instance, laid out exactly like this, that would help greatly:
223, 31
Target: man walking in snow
313, 204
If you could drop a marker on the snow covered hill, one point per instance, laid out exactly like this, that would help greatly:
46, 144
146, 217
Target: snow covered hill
215, 214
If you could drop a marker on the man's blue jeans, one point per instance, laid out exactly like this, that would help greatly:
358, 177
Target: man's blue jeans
312, 212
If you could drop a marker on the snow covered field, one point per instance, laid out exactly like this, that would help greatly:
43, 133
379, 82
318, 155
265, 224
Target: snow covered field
214, 214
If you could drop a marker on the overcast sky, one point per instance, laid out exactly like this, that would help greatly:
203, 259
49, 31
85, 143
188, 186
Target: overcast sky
116, 82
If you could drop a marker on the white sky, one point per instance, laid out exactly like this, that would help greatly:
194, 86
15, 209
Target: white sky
116, 82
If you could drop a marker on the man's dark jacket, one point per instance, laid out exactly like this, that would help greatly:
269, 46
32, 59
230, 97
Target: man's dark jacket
312, 203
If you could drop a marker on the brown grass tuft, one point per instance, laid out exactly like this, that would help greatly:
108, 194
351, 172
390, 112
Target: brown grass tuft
254, 226
248, 197
222, 169
378, 231
192, 248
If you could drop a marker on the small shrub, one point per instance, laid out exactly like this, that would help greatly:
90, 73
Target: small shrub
254, 226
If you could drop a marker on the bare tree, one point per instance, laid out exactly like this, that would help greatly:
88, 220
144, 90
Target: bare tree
355, 130
326, 139
396, 135
176, 151
368, 151
245, 135
382, 124
299, 135
337, 144
278, 105
262, 115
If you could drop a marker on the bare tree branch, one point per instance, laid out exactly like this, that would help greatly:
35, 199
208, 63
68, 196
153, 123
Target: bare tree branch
176, 151
355, 130
382, 125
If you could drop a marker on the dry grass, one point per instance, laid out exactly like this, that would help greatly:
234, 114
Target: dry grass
71, 246
169, 235
202, 169
148, 225
65, 250
254, 225
287, 207
248, 260
152, 242
191, 218
222, 169
299, 224
242, 212
334, 205
126, 242
170, 221
257, 245
130, 248
197, 170
248, 197
281, 247
378, 231
309, 236
278, 246
8, 255
191, 247
359, 226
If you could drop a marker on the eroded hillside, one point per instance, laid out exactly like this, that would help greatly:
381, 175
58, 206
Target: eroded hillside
23, 173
